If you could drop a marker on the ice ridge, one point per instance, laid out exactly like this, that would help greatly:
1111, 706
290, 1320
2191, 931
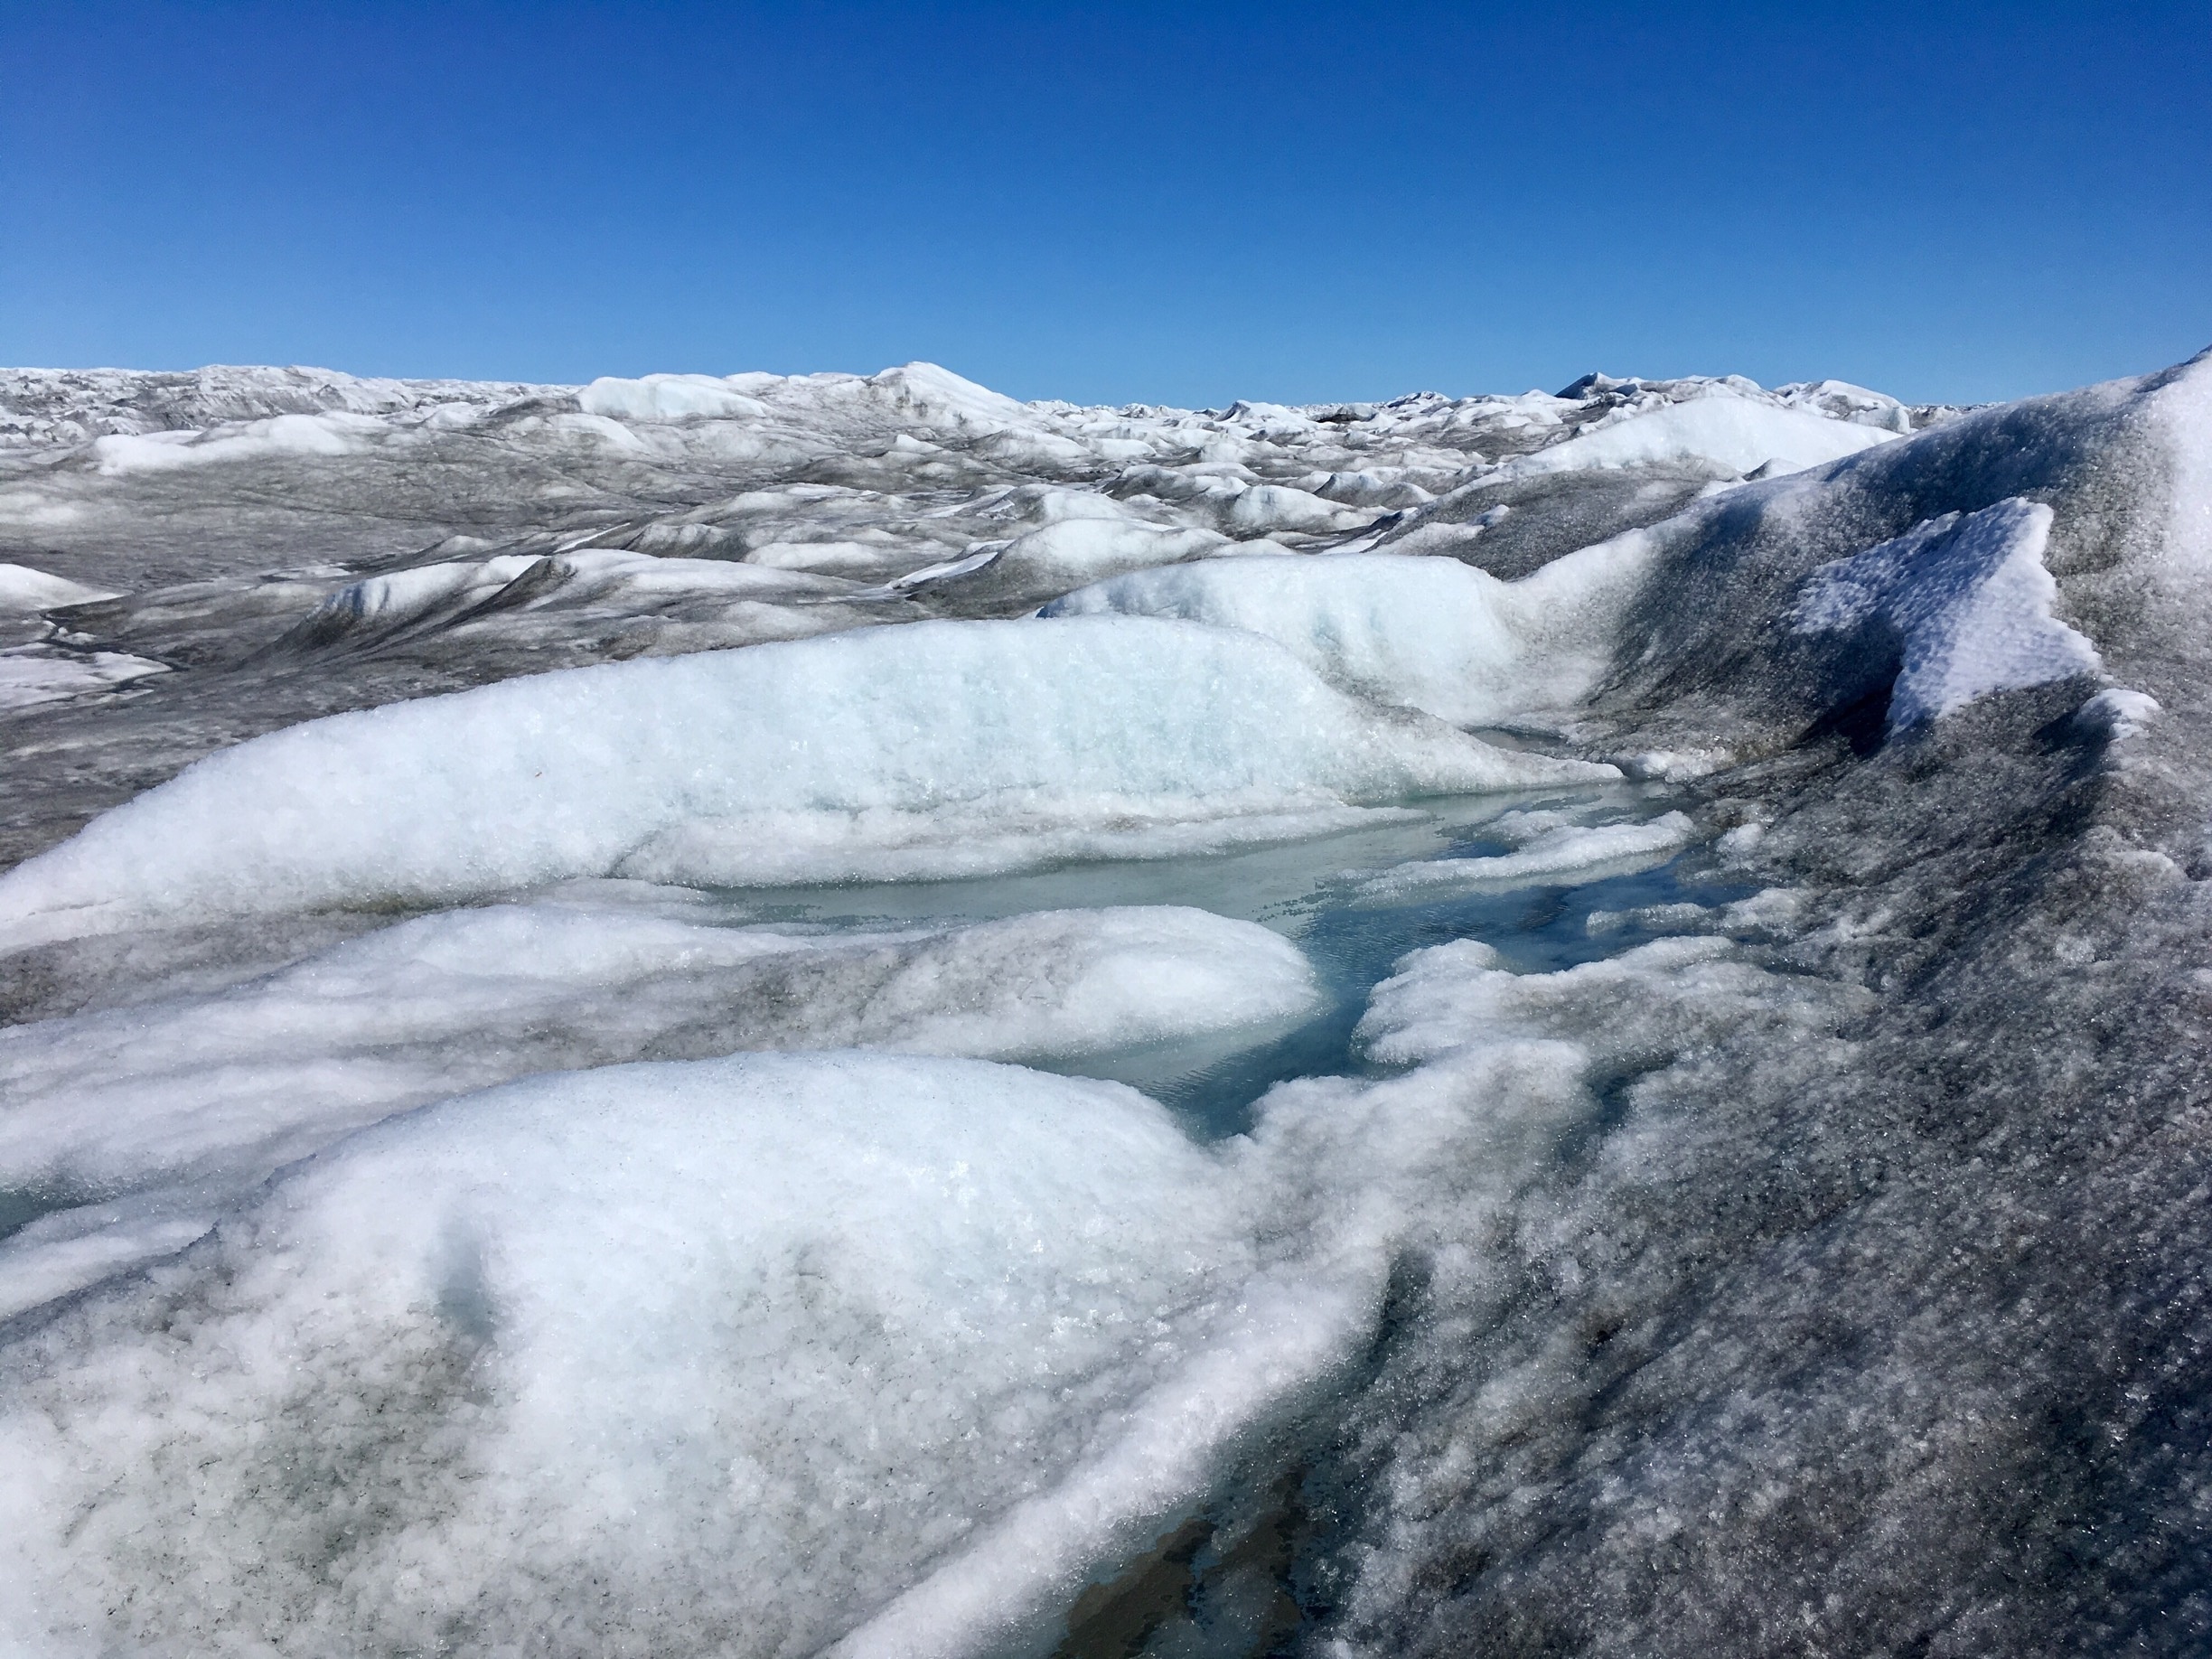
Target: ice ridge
1963, 602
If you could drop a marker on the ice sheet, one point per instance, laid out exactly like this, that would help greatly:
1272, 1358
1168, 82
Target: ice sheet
1638, 1305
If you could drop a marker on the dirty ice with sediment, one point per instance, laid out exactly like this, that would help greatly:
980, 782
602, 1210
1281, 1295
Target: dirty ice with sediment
776, 1016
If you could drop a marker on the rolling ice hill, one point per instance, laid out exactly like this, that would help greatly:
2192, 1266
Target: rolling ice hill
779, 1015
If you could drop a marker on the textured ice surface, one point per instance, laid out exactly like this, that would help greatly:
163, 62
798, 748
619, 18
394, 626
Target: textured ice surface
1962, 602
1075, 550
801, 1323
33, 674
641, 605
930, 750
1751, 1205
915, 487
276, 1067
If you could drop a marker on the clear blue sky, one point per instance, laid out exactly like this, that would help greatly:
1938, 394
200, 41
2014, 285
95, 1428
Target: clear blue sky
1183, 203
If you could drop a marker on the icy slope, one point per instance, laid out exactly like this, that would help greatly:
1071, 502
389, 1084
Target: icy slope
1734, 1186
1822, 1317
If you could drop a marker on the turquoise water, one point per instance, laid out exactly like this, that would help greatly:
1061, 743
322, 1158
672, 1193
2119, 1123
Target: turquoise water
1303, 891
1229, 1578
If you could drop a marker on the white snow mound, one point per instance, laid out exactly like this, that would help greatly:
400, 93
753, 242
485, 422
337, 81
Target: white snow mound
1432, 633
933, 749
668, 397
233, 1084
1736, 434
335, 433
806, 1325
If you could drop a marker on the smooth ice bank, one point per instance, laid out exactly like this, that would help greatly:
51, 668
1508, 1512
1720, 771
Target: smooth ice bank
26, 592
929, 750
1567, 853
1431, 634
717, 1357
225, 1087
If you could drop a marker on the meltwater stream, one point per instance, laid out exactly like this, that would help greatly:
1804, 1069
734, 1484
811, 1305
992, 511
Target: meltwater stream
1309, 891
1234, 1574
1229, 1570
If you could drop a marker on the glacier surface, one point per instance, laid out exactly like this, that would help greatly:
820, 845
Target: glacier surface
783, 1014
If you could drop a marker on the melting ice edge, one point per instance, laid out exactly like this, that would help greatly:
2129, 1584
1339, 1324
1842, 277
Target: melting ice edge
831, 1014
